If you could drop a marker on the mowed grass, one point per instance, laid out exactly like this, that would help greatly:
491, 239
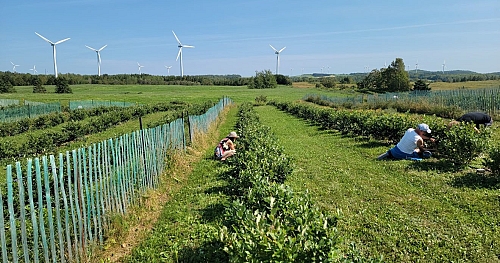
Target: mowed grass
147, 94
150, 94
188, 223
465, 85
402, 210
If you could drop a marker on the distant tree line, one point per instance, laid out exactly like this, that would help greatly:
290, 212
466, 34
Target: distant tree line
26, 79
9, 80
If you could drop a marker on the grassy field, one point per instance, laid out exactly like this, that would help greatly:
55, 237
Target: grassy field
465, 85
160, 93
399, 210
144, 94
404, 211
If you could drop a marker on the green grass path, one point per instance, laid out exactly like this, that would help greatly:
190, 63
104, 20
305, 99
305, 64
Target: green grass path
399, 209
402, 210
190, 220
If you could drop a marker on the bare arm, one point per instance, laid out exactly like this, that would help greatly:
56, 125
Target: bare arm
420, 146
230, 144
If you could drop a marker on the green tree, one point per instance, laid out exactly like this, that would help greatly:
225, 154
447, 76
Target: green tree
62, 85
345, 80
263, 80
373, 81
328, 82
395, 77
37, 85
283, 80
421, 85
6, 86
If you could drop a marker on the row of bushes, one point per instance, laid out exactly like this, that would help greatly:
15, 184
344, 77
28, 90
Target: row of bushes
80, 125
266, 221
399, 105
49, 120
68, 115
459, 145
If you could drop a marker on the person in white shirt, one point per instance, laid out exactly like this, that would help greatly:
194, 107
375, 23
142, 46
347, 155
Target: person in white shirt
411, 145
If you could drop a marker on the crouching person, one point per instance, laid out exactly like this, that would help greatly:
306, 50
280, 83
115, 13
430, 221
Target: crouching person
226, 147
411, 145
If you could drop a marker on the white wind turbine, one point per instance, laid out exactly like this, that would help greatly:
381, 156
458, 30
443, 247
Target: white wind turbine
34, 70
53, 50
98, 51
444, 64
180, 46
14, 67
139, 65
416, 67
168, 70
277, 52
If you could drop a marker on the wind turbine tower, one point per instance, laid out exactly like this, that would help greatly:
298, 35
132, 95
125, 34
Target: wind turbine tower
168, 70
139, 65
98, 51
14, 66
53, 50
179, 55
416, 68
444, 64
277, 52
34, 70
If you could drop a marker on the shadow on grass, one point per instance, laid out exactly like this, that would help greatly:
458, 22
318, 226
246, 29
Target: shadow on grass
476, 181
374, 144
434, 165
213, 212
210, 251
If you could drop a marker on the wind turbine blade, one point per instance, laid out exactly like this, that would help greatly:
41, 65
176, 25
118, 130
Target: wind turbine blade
102, 47
273, 48
44, 38
179, 54
281, 49
188, 46
90, 48
60, 41
178, 41
138, 64
12, 63
99, 57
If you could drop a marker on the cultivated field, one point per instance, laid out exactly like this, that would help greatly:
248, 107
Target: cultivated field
401, 211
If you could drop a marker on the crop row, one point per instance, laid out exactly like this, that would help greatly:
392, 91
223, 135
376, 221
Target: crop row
79, 124
458, 145
266, 220
56, 118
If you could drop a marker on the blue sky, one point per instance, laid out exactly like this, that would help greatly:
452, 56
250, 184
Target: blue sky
233, 37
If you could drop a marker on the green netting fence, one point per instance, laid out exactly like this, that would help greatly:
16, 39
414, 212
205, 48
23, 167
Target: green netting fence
8, 102
57, 208
486, 100
28, 111
199, 124
88, 104
33, 103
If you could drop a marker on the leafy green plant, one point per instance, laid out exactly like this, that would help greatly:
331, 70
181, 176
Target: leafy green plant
461, 144
493, 160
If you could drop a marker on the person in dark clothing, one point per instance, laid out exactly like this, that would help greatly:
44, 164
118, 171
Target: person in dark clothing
477, 118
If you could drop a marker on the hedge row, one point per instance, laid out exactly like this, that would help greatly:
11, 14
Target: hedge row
79, 125
56, 118
420, 106
267, 221
458, 145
